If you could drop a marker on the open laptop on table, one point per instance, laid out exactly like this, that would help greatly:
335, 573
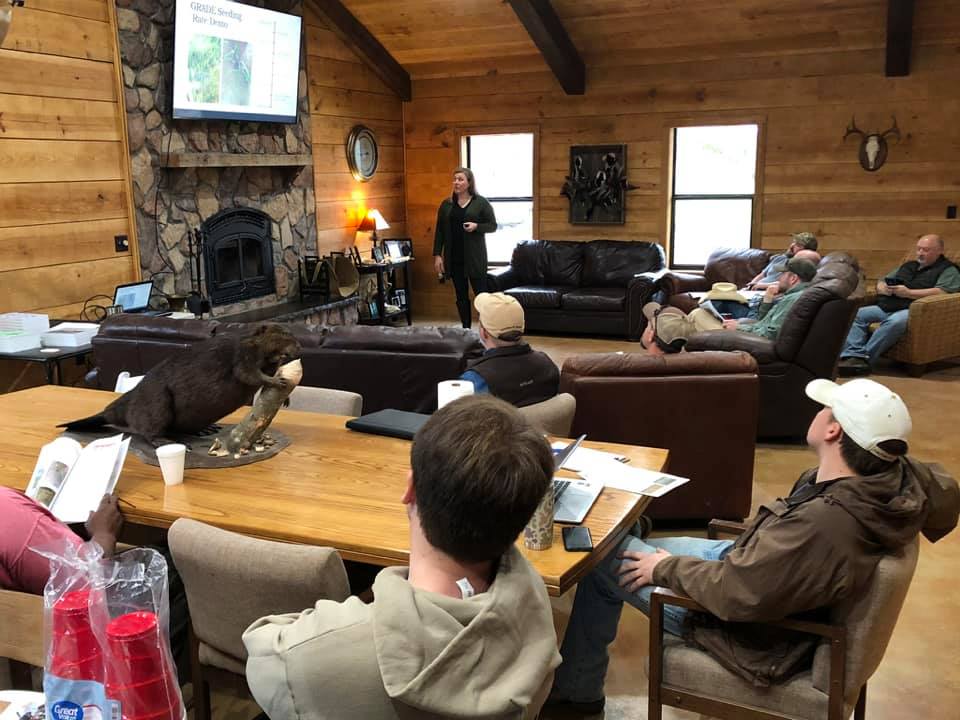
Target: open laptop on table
135, 298
572, 499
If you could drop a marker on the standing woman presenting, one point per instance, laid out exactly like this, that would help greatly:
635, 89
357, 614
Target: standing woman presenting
460, 243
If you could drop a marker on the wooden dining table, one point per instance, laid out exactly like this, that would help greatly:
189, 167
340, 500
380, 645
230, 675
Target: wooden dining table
331, 487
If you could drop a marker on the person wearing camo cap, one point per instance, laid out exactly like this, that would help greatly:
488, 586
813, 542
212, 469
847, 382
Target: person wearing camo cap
769, 275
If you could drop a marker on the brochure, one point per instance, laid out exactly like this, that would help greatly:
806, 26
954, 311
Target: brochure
70, 479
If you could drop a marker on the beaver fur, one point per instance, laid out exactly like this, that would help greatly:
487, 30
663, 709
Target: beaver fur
186, 393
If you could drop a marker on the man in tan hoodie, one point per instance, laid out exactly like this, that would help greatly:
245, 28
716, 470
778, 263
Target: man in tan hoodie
466, 631
800, 555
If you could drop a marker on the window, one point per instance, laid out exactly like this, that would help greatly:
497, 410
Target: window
714, 186
503, 168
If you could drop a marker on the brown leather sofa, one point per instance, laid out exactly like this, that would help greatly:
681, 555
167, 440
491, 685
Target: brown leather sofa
702, 407
390, 367
807, 347
734, 265
596, 287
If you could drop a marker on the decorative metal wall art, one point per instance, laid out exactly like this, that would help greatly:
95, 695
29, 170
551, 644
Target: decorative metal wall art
597, 184
873, 145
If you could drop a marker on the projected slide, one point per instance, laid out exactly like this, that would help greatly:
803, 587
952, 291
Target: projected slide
234, 61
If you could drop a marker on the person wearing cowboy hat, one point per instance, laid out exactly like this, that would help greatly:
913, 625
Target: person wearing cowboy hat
769, 275
509, 368
805, 553
669, 334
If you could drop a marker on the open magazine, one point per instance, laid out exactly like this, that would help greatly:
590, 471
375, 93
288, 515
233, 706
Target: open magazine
70, 479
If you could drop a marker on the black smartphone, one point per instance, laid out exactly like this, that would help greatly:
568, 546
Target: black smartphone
893, 281
577, 539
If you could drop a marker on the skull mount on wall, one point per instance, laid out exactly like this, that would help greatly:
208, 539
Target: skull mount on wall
6, 15
873, 146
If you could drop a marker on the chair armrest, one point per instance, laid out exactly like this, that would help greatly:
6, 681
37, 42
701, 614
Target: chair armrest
640, 290
727, 527
680, 283
502, 278
762, 349
666, 596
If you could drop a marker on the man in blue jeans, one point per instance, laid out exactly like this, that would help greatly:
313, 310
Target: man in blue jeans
798, 557
930, 274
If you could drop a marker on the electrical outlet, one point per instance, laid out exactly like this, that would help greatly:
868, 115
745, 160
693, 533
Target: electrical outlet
951, 212
120, 243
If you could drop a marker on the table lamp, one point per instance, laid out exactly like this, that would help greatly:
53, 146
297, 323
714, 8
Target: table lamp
6, 15
373, 221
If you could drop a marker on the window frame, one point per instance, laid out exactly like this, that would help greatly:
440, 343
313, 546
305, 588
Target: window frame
672, 197
463, 137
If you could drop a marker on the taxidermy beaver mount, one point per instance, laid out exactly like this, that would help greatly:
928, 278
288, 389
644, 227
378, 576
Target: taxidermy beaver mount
186, 393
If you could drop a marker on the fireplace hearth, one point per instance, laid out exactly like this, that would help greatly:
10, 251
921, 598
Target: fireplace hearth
238, 255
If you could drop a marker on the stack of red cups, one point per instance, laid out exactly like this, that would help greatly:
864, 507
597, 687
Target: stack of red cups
75, 653
139, 674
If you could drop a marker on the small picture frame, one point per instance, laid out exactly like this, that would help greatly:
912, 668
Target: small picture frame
373, 309
377, 254
400, 298
395, 249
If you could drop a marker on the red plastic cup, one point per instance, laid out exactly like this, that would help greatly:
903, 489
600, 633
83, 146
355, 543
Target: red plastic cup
74, 646
71, 613
89, 668
132, 671
75, 652
135, 635
158, 696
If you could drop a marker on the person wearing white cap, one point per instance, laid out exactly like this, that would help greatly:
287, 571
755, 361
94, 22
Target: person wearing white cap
800, 554
509, 368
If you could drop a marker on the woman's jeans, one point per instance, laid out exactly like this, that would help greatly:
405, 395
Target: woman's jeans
596, 614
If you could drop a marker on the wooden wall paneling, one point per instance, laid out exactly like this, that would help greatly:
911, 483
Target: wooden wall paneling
24, 73
345, 92
42, 203
54, 33
55, 285
29, 116
64, 186
72, 242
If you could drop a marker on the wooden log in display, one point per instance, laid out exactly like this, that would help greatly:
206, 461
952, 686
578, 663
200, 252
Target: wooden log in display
249, 433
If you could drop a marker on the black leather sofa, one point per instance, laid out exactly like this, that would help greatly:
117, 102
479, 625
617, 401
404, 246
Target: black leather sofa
390, 367
595, 287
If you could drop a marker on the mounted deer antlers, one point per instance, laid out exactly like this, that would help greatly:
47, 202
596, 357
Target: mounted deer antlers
873, 145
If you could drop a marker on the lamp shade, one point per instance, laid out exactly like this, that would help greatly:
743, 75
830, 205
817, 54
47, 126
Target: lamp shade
381, 224
367, 224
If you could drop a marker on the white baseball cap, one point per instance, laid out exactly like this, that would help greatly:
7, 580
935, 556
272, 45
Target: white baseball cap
867, 411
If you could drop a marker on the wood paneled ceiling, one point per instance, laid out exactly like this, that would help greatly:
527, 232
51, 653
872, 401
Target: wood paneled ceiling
455, 38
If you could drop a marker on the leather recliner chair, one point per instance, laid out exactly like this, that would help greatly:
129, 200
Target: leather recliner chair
702, 407
735, 265
807, 347
597, 287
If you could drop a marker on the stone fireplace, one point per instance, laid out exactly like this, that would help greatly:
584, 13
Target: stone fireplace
236, 244
173, 199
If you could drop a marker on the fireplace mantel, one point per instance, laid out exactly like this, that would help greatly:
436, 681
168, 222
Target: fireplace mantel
226, 159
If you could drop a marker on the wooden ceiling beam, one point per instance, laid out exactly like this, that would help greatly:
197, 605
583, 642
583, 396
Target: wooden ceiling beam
547, 32
899, 37
356, 36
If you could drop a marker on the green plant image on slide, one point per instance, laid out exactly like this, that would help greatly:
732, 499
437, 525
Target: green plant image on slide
237, 59
203, 68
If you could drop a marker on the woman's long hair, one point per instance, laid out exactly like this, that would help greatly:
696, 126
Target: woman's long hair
471, 183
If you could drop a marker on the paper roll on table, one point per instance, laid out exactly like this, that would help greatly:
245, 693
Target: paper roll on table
450, 390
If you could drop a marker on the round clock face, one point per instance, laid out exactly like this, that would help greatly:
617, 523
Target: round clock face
363, 154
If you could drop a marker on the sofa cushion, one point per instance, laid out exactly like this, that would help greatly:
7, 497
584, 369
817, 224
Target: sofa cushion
525, 263
736, 265
411, 340
613, 263
562, 262
601, 299
531, 296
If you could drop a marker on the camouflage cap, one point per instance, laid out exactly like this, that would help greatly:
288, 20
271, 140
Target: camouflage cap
806, 240
801, 267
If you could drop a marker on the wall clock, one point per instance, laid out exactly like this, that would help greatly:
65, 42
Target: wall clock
363, 153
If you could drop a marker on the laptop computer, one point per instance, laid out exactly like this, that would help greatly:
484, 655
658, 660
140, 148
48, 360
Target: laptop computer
572, 499
135, 298
392, 423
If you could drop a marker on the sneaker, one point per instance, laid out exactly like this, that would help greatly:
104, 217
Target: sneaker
853, 367
571, 709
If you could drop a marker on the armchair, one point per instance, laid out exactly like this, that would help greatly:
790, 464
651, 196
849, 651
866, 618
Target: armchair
933, 333
852, 646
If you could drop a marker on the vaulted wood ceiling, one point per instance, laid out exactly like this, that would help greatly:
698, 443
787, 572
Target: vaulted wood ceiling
451, 38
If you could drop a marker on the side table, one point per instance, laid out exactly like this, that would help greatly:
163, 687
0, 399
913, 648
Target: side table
388, 272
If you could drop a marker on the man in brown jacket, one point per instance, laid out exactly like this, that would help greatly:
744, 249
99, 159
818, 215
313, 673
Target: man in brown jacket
800, 555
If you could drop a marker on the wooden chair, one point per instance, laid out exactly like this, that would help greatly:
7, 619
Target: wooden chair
21, 634
232, 580
853, 644
553, 416
325, 400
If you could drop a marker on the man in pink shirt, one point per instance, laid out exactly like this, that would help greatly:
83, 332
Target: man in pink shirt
28, 524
